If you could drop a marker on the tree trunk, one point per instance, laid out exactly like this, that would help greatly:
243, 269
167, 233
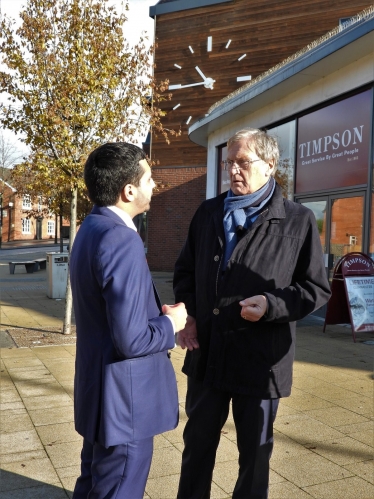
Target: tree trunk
56, 228
66, 329
61, 230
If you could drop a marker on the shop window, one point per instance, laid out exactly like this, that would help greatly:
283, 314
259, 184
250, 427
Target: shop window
286, 137
51, 228
26, 226
223, 176
371, 246
333, 145
26, 202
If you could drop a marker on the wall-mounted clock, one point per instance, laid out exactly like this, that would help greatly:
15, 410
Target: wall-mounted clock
198, 68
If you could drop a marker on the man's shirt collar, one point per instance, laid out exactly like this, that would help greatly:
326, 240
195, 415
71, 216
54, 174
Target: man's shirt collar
124, 216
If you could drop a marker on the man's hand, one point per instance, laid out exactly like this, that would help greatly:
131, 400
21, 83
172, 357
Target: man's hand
253, 308
188, 336
178, 313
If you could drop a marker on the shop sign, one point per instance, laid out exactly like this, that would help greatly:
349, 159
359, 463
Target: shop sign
333, 145
352, 298
360, 293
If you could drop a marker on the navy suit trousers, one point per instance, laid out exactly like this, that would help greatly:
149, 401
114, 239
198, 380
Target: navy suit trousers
207, 410
118, 472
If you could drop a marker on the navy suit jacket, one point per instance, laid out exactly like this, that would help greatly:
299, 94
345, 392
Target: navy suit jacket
122, 336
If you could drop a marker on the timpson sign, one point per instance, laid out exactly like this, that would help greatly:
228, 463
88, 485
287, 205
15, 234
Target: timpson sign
328, 144
358, 265
333, 145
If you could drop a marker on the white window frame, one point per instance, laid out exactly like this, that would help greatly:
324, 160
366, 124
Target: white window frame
51, 226
26, 202
26, 226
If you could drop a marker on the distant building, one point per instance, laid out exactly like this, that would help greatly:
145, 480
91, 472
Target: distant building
23, 218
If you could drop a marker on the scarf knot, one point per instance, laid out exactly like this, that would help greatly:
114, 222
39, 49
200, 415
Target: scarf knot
242, 211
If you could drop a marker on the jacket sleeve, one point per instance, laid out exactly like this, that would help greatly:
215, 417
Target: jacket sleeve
124, 277
184, 283
309, 289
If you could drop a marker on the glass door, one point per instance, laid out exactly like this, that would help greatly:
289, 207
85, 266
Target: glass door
340, 222
347, 223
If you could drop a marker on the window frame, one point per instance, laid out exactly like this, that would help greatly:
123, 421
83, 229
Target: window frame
26, 225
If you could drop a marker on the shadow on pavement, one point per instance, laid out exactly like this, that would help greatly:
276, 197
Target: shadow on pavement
15, 486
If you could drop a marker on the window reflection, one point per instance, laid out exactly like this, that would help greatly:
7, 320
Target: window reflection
286, 136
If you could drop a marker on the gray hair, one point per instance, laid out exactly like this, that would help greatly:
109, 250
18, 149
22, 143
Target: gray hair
264, 145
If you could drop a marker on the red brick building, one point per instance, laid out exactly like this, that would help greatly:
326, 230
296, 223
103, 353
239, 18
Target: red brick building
24, 218
230, 42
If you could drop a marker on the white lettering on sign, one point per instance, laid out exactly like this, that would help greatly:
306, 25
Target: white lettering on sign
348, 263
334, 142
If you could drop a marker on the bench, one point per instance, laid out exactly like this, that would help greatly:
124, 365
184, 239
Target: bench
30, 266
40, 264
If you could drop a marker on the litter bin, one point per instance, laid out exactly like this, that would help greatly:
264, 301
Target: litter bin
57, 274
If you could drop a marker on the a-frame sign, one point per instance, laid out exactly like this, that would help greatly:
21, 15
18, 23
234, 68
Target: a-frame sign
352, 298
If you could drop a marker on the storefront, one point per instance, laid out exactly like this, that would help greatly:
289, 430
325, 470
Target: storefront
320, 107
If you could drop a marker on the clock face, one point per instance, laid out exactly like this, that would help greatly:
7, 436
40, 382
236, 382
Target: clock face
208, 71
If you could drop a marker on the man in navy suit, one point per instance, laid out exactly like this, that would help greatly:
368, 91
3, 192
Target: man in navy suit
125, 387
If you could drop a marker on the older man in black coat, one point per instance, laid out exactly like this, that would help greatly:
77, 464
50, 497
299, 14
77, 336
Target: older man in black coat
251, 266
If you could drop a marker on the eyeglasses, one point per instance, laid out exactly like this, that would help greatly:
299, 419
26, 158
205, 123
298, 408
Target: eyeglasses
241, 164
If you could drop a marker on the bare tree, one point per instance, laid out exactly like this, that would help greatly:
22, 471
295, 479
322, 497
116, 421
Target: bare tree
10, 155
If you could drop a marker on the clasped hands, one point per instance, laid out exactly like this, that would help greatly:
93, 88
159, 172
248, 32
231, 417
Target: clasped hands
185, 325
253, 309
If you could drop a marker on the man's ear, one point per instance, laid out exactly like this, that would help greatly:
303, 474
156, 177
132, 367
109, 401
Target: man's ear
271, 168
128, 193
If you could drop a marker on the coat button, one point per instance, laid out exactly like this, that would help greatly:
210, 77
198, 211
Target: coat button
216, 258
216, 311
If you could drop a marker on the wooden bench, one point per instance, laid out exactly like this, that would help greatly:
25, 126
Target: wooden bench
30, 266
40, 264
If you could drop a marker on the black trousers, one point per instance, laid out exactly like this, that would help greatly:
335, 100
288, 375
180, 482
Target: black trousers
207, 410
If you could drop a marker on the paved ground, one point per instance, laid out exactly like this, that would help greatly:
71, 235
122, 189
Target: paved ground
324, 431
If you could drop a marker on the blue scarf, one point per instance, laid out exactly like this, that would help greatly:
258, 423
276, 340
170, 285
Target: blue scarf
242, 211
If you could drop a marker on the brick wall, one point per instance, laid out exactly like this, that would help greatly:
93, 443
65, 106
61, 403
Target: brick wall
181, 191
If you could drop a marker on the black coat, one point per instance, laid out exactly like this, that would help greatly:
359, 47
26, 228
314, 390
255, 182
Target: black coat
280, 256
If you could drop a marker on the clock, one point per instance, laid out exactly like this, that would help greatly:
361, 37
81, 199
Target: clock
200, 70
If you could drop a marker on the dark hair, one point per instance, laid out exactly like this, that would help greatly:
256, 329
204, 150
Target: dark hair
109, 168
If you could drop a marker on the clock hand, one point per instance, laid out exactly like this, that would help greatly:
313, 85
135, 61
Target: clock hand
174, 87
208, 83
200, 73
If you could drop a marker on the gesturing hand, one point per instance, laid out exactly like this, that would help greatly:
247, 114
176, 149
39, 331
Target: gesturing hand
253, 308
178, 313
187, 337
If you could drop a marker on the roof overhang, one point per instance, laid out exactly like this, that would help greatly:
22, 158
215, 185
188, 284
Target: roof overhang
178, 5
351, 44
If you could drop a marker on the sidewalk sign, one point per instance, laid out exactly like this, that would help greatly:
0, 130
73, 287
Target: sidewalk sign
352, 298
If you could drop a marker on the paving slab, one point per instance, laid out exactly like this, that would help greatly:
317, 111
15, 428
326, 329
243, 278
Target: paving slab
350, 488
